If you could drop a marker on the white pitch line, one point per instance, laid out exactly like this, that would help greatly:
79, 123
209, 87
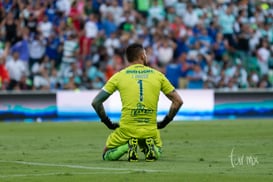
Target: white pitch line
79, 166
60, 173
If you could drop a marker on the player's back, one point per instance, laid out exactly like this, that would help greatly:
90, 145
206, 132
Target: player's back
139, 88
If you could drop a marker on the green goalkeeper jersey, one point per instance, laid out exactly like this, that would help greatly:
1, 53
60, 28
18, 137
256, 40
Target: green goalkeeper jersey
139, 87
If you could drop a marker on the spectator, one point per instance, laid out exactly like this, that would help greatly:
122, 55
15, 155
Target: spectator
105, 8
151, 56
185, 67
88, 8
264, 82
70, 85
232, 84
73, 71
41, 81
24, 84
63, 6
190, 18
75, 16
241, 74
50, 11
267, 32
142, 7
212, 65
213, 29
170, 13
95, 74
114, 65
109, 26
26, 12
181, 47
16, 70
2, 13
219, 47
91, 32
32, 24
229, 68
70, 52
166, 49
210, 80
156, 12
115, 10
86, 82
178, 28
39, 11
243, 39
22, 47
263, 55
43, 64
127, 22
90, 69
59, 56
226, 22
7, 5
173, 71
52, 44
195, 77
98, 83
145, 36
4, 75
254, 40
10, 27
180, 7
253, 79
205, 41
111, 44
54, 80
45, 27
222, 80
36, 47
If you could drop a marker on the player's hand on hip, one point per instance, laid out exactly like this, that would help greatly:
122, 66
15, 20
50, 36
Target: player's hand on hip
114, 126
109, 123
162, 124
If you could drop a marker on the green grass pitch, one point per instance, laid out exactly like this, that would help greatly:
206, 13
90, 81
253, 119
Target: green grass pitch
222, 150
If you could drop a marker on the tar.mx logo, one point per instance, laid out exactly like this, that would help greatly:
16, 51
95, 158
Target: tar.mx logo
241, 159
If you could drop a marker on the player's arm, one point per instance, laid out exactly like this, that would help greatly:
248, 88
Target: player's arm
97, 104
177, 102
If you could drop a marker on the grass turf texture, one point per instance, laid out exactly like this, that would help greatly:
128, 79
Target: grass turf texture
193, 151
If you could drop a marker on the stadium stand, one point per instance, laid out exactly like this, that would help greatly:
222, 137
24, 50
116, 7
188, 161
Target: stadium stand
78, 44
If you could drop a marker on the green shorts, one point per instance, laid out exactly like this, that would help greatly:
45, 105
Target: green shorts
120, 136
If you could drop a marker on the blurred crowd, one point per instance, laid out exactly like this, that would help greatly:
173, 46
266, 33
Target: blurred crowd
79, 44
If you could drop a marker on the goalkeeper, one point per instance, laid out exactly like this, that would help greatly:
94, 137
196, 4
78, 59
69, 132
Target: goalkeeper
139, 87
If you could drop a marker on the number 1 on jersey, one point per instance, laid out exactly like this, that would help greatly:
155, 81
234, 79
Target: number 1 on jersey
140, 90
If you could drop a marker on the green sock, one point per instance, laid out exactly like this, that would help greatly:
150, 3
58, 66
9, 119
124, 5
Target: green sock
158, 151
115, 153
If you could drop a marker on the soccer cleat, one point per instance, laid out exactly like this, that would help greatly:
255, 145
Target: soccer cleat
132, 151
150, 153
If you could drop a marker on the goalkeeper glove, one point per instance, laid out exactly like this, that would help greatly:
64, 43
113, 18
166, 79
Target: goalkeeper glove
109, 123
164, 122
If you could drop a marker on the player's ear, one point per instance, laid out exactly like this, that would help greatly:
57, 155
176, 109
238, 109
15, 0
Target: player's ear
143, 56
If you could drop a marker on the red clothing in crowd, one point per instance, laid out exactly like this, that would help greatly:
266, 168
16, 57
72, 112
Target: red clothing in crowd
4, 74
75, 16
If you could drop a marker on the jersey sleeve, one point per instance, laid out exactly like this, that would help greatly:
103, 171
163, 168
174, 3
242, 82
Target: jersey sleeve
166, 86
111, 85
